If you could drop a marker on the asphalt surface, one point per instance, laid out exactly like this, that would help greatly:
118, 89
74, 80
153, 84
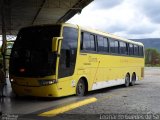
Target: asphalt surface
141, 101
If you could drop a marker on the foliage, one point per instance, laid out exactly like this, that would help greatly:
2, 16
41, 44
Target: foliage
152, 57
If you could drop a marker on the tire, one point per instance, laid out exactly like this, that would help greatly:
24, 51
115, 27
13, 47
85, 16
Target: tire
81, 88
133, 80
127, 80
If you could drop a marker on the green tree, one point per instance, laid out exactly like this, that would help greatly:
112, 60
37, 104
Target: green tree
152, 57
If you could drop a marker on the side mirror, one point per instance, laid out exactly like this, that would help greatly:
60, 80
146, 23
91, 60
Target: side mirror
56, 43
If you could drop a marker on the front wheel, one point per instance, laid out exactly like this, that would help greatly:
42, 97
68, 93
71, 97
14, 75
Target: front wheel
127, 80
81, 88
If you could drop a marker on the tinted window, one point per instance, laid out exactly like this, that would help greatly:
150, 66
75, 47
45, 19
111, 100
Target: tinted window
114, 47
111, 45
68, 52
136, 50
87, 42
92, 43
102, 44
32, 51
131, 49
36, 38
123, 47
140, 51
106, 48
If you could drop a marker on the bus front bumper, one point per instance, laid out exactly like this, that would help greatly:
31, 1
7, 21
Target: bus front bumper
37, 91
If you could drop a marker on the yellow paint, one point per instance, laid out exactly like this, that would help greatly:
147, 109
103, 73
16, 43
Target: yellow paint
66, 108
94, 67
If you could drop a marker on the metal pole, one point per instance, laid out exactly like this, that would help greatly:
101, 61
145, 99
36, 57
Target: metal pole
4, 41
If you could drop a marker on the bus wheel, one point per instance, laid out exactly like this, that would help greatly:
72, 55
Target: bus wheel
133, 80
127, 80
81, 88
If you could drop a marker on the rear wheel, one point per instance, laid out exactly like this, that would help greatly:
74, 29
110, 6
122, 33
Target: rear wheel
133, 80
81, 88
127, 80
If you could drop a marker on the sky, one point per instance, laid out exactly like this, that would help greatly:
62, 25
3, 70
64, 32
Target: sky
132, 19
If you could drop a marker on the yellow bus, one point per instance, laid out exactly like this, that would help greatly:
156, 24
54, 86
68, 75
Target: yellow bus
65, 59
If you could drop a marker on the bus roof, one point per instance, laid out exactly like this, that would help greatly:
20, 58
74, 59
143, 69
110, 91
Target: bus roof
103, 33
94, 31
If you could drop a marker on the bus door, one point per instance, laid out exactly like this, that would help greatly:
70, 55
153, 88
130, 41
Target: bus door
67, 59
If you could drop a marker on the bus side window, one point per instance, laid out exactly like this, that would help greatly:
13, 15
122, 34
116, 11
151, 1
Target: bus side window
123, 48
141, 51
81, 42
102, 44
106, 45
131, 49
93, 44
127, 49
68, 52
85, 42
114, 46
88, 42
111, 43
136, 50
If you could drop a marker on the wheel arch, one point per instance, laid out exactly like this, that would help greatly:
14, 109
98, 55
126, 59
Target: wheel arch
129, 75
134, 73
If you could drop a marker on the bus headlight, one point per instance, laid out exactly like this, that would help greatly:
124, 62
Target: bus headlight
12, 80
47, 82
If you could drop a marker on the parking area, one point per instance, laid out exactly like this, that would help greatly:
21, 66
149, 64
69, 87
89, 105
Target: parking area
142, 100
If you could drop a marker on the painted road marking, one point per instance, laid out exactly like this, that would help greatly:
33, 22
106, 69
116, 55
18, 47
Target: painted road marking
69, 107
60, 110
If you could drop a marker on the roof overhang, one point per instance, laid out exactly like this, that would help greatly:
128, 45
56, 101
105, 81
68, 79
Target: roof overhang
19, 13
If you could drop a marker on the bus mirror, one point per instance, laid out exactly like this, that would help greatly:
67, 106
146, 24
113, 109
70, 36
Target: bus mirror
56, 42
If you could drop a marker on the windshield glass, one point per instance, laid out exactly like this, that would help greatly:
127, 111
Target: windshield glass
32, 52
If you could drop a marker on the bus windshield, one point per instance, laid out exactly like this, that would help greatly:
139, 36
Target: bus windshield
32, 54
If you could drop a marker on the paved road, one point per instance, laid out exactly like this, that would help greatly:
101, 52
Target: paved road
140, 101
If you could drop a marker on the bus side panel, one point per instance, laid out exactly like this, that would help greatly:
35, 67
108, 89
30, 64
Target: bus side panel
109, 68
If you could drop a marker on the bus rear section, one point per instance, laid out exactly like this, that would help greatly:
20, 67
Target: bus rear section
106, 60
